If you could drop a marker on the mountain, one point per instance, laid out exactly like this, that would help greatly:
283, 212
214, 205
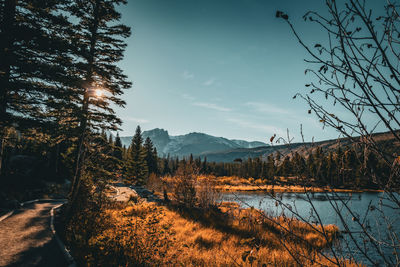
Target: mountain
192, 143
385, 140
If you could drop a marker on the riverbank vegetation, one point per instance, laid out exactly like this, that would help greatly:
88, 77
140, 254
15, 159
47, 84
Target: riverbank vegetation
281, 185
148, 234
189, 226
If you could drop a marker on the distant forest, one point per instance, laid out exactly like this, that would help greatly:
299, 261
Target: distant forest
343, 168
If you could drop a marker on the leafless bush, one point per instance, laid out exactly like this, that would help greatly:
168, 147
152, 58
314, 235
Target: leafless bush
154, 183
207, 195
356, 72
184, 185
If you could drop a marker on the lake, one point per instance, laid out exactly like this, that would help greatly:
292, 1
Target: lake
371, 209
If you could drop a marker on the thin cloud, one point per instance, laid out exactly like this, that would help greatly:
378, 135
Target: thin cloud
268, 129
137, 120
209, 82
188, 97
267, 108
211, 106
187, 75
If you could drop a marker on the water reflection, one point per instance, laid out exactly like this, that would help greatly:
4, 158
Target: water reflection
351, 212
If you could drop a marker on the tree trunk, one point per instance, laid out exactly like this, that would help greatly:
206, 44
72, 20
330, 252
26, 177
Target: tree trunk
81, 148
6, 50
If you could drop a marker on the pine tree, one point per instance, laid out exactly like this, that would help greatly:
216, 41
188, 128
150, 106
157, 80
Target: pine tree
323, 175
118, 150
331, 169
165, 166
264, 170
175, 165
271, 167
137, 169
101, 163
99, 43
204, 167
298, 165
34, 55
371, 165
278, 163
257, 169
191, 158
151, 156
286, 168
156, 166
197, 163
310, 169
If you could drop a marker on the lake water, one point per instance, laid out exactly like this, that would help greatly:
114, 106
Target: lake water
373, 210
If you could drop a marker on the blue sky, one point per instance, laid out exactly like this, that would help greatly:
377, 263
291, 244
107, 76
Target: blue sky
226, 68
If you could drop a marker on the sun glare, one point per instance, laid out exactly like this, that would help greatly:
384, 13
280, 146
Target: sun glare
98, 93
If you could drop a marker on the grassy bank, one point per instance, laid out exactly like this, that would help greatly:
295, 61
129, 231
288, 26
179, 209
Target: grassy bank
149, 234
233, 183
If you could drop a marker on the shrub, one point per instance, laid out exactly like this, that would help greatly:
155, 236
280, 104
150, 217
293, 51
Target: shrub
154, 183
207, 195
137, 238
88, 220
184, 185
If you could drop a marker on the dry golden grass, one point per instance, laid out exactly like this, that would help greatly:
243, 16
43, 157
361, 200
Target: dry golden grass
157, 235
234, 183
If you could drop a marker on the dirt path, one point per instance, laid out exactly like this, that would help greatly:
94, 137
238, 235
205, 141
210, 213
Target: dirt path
26, 238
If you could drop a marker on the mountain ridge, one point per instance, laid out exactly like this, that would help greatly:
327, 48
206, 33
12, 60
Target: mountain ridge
383, 139
194, 143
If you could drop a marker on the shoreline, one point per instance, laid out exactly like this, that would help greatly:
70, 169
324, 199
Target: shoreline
289, 189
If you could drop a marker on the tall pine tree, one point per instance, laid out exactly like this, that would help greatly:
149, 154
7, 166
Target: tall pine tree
137, 169
151, 156
118, 150
99, 42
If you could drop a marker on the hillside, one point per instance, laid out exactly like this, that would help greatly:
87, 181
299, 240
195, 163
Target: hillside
383, 139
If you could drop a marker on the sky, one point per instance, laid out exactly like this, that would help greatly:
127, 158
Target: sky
223, 67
